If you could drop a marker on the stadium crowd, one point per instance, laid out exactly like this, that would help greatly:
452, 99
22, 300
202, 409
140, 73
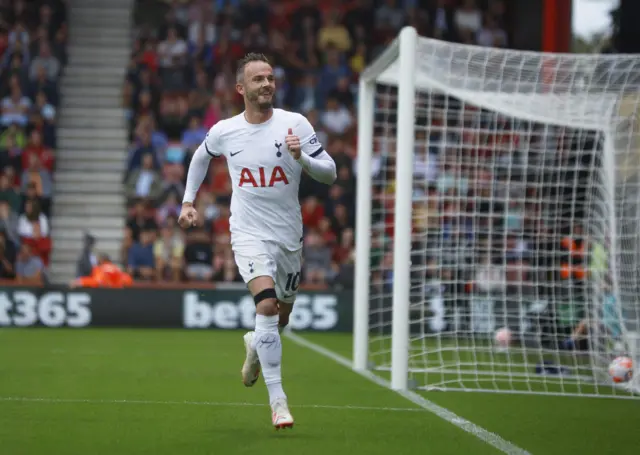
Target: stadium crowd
33, 36
181, 82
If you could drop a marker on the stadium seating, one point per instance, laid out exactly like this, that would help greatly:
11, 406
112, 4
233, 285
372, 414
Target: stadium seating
33, 37
181, 82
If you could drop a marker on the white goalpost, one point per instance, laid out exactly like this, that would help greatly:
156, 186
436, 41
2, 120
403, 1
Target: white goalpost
498, 219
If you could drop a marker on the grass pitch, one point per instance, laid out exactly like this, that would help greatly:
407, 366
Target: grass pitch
178, 392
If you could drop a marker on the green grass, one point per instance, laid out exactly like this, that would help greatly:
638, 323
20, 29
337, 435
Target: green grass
179, 392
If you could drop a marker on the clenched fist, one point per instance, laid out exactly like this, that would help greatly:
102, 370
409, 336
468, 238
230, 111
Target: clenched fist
188, 216
293, 144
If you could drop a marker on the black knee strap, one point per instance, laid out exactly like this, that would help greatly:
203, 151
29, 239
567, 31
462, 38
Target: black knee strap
264, 295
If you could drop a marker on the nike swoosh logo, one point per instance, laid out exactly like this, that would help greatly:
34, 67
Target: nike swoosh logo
234, 154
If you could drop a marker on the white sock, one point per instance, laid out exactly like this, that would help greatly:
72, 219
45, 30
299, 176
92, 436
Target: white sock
266, 342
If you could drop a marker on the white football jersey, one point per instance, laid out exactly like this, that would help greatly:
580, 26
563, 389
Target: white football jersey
265, 177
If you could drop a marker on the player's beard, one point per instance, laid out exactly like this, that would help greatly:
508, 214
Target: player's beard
262, 105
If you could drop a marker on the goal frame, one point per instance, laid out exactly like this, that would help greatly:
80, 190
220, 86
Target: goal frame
402, 50
396, 66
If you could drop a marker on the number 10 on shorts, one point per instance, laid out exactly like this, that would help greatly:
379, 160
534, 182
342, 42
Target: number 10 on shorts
293, 281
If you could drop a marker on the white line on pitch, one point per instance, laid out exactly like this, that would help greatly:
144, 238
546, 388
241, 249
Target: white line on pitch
199, 403
485, 435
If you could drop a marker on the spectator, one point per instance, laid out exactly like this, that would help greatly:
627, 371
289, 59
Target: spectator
141, 262
28, 84
331, 72
305, 96
468, 20
317, 259
18, 36
230, 273
45, 59
46, 19
312, 212
144, 183
40, 36
8, 193
170, 208
333, 33
7, 257
17, 133
172, 54
29, 267
212, 113
200, 96
10, 154
202, 24
390, 18
33, 224
141, 218
336, 118
9, 222
490, 34
36, 175
198, 257
36, 148
168, 252
17, 72
344, 250
142, 149
175, 154
15, 108
325, 230
193, 136
443, 22
342, 92
44, 108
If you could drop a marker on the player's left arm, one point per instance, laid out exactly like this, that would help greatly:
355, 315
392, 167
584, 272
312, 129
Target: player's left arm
306, 149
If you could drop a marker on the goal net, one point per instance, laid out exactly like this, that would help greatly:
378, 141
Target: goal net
498, 221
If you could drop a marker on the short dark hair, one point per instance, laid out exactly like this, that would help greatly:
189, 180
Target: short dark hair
244, 61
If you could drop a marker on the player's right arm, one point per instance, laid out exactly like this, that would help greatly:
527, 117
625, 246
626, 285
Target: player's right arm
195, 176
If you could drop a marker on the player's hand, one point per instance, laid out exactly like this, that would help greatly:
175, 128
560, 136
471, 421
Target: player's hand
188, 216
293, 144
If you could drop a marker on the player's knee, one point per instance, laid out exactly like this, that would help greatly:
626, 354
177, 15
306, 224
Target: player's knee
266, 302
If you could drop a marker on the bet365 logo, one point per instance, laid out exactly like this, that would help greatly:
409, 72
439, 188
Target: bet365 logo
314, 312
51, 309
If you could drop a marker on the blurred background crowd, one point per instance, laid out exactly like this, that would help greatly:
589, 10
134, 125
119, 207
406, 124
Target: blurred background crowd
33, 36
489, 190
181, 81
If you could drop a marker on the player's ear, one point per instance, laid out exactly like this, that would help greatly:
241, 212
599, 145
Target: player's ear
240, 89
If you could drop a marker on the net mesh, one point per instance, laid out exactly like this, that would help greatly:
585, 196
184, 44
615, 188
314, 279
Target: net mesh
525, 243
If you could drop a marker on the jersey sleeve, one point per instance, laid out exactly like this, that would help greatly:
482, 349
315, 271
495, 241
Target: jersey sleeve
200, 160
211, 143
309, 143
315, 161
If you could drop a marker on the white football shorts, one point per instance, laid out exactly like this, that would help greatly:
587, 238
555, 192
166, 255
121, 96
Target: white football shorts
263, 258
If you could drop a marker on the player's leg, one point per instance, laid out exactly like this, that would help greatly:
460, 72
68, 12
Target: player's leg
268, 346
284, 313
287, 283
254, 265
